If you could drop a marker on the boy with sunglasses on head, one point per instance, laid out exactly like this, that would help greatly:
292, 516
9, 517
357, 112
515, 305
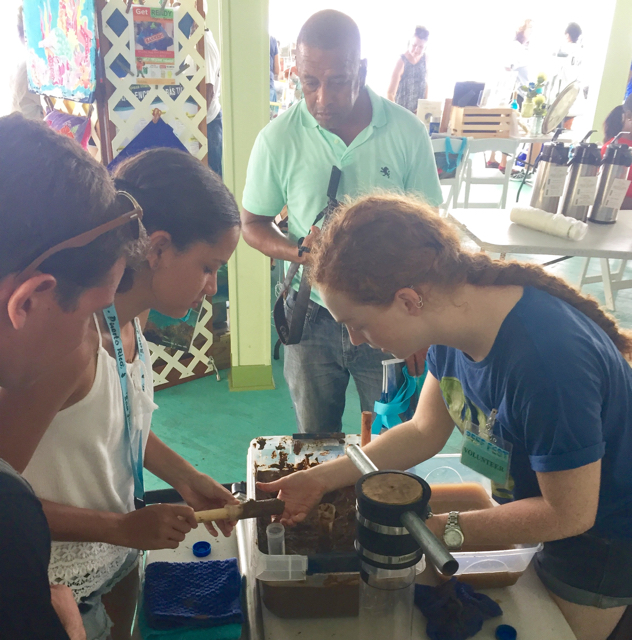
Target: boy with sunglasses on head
64, 236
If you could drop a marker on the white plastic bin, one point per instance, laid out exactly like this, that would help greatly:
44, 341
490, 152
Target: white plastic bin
481, 569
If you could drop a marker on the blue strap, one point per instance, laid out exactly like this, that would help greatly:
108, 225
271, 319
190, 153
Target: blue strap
112, 321
387, 413
452, 165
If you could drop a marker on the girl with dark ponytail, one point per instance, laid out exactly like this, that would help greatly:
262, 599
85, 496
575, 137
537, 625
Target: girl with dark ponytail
516, 355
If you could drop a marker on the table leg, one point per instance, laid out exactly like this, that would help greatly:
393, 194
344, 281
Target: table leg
582, 279
619, 275
607, 283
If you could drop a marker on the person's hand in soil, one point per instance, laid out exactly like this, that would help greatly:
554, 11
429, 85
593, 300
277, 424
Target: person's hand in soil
300, 491
159, 526
67, 611
202, 492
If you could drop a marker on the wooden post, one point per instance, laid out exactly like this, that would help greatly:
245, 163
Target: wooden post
365, 433
246, 96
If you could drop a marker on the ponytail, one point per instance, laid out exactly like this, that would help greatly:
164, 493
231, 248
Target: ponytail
482, 271
380, 244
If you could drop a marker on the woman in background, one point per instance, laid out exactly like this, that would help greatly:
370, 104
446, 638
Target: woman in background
618, 120
409, 82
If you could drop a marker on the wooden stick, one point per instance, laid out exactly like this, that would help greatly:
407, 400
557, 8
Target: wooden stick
227, 513
250, 509
365, 433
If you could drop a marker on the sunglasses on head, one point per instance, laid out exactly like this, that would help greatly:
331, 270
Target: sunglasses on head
85, 238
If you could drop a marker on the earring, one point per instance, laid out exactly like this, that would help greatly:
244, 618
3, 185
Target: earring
420, 303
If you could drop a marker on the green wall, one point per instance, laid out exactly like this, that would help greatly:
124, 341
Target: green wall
617, 65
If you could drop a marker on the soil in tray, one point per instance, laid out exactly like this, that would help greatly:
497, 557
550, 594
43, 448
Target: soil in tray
308, 537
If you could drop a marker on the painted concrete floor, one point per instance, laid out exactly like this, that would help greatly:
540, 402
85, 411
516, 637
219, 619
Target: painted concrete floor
212, 427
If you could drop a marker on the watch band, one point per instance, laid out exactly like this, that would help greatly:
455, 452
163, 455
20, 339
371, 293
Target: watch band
453, 529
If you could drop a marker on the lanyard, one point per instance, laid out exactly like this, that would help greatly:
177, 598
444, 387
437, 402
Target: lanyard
111, 319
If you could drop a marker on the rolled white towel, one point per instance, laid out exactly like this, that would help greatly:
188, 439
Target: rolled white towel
552, 223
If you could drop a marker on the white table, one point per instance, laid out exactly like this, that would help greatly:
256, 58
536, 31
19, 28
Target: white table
542, 139
493, 231
526, 605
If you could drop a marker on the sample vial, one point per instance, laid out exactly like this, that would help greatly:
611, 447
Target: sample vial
275, 533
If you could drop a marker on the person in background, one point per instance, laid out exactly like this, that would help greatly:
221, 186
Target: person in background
81, 469
377, 145
45, 312
618, 120
274, 67
613, 124
23, 100
573, 33
567, 68
517, 356
409, 81
214, 129
518, 71
519, 60
571, 56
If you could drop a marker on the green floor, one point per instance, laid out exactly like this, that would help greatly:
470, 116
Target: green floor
212, 427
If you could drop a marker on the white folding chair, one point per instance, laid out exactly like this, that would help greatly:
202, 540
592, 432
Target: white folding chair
453, 184
482, 145
612, 281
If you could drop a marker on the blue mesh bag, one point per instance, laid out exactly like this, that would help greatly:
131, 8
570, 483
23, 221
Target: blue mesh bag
192, 594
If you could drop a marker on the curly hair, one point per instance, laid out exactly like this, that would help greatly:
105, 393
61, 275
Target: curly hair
379, 244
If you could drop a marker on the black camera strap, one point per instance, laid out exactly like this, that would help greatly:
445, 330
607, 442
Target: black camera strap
291, 333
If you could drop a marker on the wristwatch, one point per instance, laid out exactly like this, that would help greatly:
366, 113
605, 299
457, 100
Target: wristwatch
453, 534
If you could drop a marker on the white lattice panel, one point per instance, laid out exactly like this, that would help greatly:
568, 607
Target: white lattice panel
184, 117
202, 335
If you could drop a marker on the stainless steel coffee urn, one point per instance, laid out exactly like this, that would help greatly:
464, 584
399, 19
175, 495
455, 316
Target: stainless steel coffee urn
581, 181
550, 177
613, 183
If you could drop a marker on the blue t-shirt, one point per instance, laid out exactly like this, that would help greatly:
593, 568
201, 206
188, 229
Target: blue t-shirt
563, 393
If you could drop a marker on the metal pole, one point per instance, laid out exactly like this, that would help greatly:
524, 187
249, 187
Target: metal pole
360, 459
436, 552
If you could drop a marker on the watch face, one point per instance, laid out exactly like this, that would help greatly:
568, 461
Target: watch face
453, 538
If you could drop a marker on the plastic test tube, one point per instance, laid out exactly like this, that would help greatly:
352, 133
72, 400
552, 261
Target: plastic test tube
275, 533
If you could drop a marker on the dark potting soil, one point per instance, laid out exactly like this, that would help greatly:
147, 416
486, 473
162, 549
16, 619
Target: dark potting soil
308, 537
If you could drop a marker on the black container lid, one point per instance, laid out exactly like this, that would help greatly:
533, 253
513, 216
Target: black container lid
586, 153
555, 153
619, 154
390, 514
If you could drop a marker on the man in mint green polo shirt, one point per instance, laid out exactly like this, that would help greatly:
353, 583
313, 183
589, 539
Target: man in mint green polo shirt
377, 145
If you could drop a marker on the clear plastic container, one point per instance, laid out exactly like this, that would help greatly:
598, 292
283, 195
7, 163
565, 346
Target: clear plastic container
262, 454
275, 533
481, 569
290, 587
386, 603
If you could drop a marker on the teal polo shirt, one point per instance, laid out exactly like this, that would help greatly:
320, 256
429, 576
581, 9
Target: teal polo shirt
291, 163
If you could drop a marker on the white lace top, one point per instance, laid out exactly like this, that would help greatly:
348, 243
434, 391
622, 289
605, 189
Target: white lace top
83, 460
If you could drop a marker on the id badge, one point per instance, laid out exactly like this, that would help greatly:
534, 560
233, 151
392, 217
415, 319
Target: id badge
486, 453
